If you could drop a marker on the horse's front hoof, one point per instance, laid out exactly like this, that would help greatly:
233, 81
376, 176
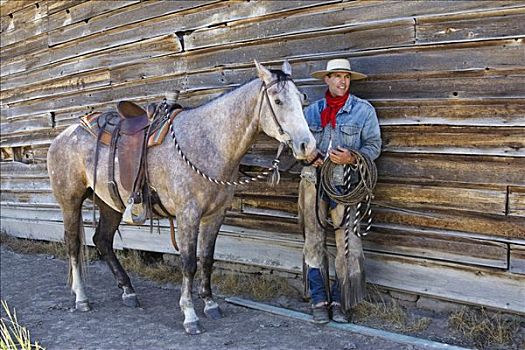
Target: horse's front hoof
213, 312
82, 306
193, 328
130, 300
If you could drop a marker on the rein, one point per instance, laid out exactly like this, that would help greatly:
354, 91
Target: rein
358, 196
273, 170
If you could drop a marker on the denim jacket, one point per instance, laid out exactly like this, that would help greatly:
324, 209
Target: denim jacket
356, 128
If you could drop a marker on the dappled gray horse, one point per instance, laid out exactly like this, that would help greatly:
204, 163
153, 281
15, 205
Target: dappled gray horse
214, 137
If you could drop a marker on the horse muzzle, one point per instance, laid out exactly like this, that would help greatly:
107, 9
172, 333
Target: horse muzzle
303, 147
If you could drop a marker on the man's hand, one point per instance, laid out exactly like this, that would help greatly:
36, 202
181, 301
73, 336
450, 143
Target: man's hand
318, 162
341, 156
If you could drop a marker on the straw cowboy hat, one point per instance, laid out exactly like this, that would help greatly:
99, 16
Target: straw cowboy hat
338, 65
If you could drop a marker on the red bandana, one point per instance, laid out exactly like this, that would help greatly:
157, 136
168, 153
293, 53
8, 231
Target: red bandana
333, 105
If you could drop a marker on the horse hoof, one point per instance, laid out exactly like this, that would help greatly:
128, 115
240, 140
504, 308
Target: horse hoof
82, 306
214, 313
193, 328
130, 300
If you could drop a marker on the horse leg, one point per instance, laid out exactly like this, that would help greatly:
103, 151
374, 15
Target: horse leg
74, 239
103, 239
209, 229
188, 225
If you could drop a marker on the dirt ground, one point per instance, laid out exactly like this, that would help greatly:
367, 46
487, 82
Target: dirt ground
35, 286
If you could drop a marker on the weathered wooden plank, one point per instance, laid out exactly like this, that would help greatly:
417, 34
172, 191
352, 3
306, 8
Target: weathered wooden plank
516, 204
24, 33
262, 222
487, 112
517, 259
59, 5
32, 196
58, 86
29, 182
95, 96
146, 49
393, 61
482, 200
13, 66
185, 15
273, 205
24, 24
470, 285
30, 138
451, 168
317, 18
34, 122
345, 38
453, 86
437, 245
482, 223
421, 199
506, 141
502, 141
400, 34
471, 26
413, 60
20, 168
8, 7
128, 17
29, 46
84, 12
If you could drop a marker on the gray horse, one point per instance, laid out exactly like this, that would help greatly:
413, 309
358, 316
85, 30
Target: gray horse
214, 136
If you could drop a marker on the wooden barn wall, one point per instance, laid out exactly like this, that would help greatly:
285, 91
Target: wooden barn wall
447, 80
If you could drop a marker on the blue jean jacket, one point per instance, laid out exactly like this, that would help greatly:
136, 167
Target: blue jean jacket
356, 127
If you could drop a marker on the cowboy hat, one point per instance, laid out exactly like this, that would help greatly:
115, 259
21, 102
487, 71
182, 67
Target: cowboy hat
338, 65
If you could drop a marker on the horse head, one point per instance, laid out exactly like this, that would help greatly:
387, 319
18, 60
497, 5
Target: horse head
281, 110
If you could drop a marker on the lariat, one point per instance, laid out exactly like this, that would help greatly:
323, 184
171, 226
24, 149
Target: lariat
356, 194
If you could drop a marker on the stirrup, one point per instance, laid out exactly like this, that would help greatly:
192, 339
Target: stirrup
135, 214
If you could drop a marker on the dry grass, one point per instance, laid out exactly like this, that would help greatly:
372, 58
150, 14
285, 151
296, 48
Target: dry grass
255, 286
484, 329
133, 261
390, 313
13, 335
27, 246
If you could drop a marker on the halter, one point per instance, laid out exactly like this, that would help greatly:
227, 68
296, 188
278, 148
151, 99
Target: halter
273, 170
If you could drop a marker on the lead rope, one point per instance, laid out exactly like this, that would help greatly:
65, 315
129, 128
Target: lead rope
360, 196
273, 170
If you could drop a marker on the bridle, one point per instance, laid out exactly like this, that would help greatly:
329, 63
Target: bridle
266, 97
273, 170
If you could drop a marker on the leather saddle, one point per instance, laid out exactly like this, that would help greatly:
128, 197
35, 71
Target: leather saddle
133, 124
129, 132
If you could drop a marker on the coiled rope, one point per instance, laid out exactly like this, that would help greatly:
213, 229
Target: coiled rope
358, 195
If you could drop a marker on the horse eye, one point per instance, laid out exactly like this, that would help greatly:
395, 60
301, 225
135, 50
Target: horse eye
277, 101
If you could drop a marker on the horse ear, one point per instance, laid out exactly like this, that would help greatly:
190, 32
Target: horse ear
263, 73
287, 68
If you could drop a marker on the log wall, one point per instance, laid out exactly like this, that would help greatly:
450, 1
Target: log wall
447, 80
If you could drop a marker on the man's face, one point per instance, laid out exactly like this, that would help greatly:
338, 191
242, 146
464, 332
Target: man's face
338, 83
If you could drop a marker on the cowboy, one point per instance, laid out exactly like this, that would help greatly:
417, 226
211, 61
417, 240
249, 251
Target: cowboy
342, 124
